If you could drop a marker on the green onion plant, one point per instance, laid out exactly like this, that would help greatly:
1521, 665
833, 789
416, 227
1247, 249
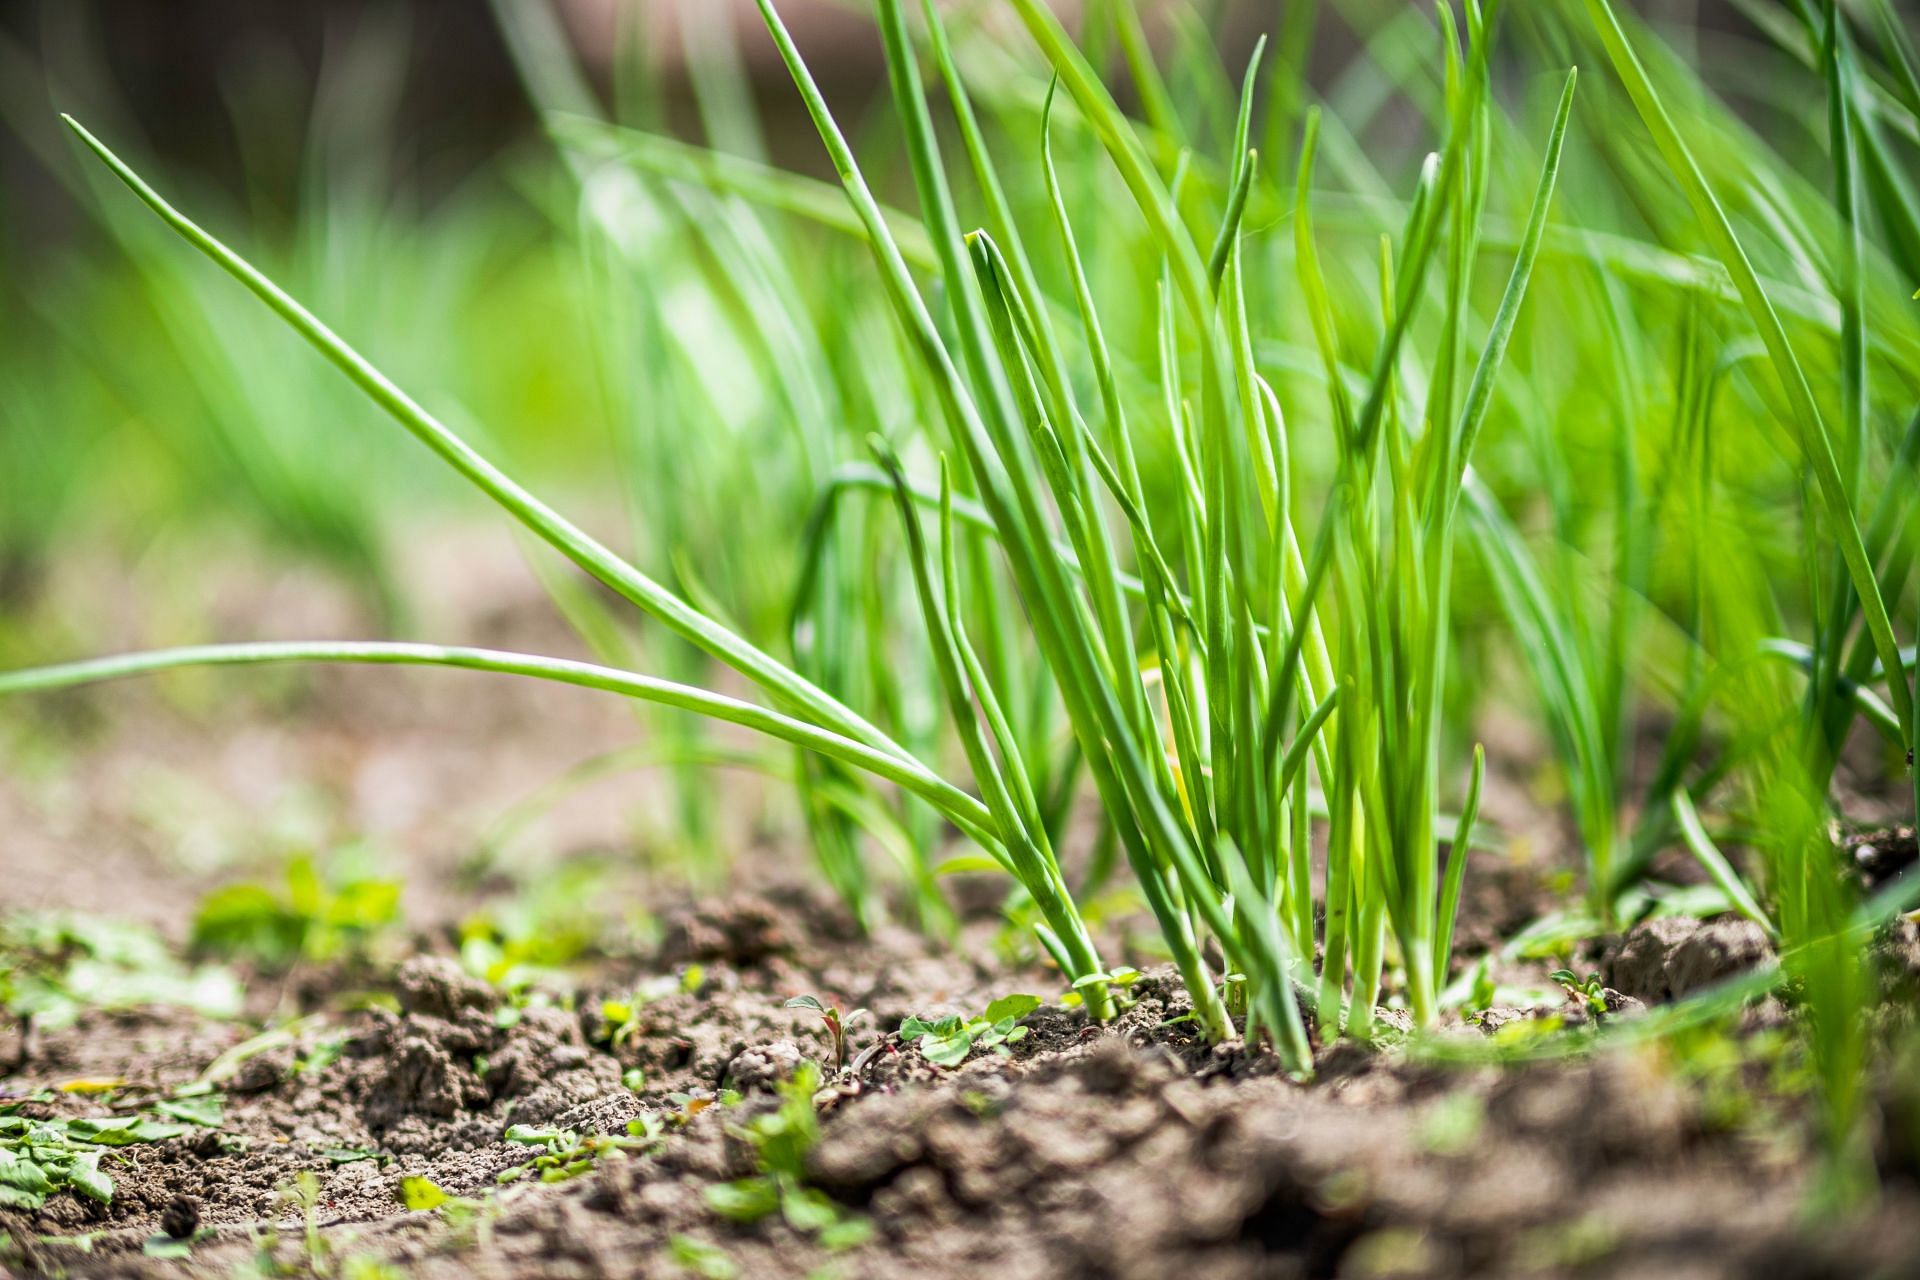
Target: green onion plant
1158, 492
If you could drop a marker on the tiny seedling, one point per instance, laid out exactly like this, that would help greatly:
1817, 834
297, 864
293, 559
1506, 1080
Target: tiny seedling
163, 1246
421, 1194
564, 1154
303, 1193
539, 928
1452, 1124
621, 1018
1591, 992
196, 1104
708, 1261
836, 1026
946, 1042
692, 1104
781, 1140
1115, 983
351, 1155
54, 966
320, 1057
40, 1158
1477, 990
313, 919
469, 1218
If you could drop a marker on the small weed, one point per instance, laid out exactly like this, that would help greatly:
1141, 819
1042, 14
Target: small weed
1482, 991
708, 1261
1567, 1246
469, 1218
780, 1141
351, 1155
545, 925
304, 1193
690, 1105
1452, 1124
519, 999
1741, 1081
565, 1154
946, 1042
196, 1104
1391, 1251
161, 1245
421, 1194
836, 1026
363, 1267
1116, 982
320, 1057
981, 1104
317, 1255
621, 1018
40, 1158
1591, 991
310, 920
54, 966
1523, 1034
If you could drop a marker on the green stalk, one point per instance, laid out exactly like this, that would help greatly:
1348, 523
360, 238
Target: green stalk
1461, 845
1112, 756
570, 540
1715, 863
962, 809
1010, 802
1155, 102
1810, 427
803, 197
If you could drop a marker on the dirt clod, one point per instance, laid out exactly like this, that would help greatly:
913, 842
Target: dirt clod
764, 1066
181, 1218
439, 988
1638, 967
1716, 951
741, 930
423, 1077
264, 1070
1672, 956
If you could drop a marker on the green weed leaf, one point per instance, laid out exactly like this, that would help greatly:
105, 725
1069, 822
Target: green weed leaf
85, 1177
1014, 1007
744, 1200
420, 1194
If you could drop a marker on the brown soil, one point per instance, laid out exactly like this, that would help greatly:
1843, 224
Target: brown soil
1126, 1151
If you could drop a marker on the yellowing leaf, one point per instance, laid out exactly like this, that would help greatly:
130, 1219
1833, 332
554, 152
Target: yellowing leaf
420, 1194
969, 864
88, 1086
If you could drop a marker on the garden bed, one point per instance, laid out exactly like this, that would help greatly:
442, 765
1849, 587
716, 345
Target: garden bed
1128, 1150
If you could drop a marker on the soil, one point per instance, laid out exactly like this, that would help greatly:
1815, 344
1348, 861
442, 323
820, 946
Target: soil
1130, 1150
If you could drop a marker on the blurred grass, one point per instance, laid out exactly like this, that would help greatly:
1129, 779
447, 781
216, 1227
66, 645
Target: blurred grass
143, 397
